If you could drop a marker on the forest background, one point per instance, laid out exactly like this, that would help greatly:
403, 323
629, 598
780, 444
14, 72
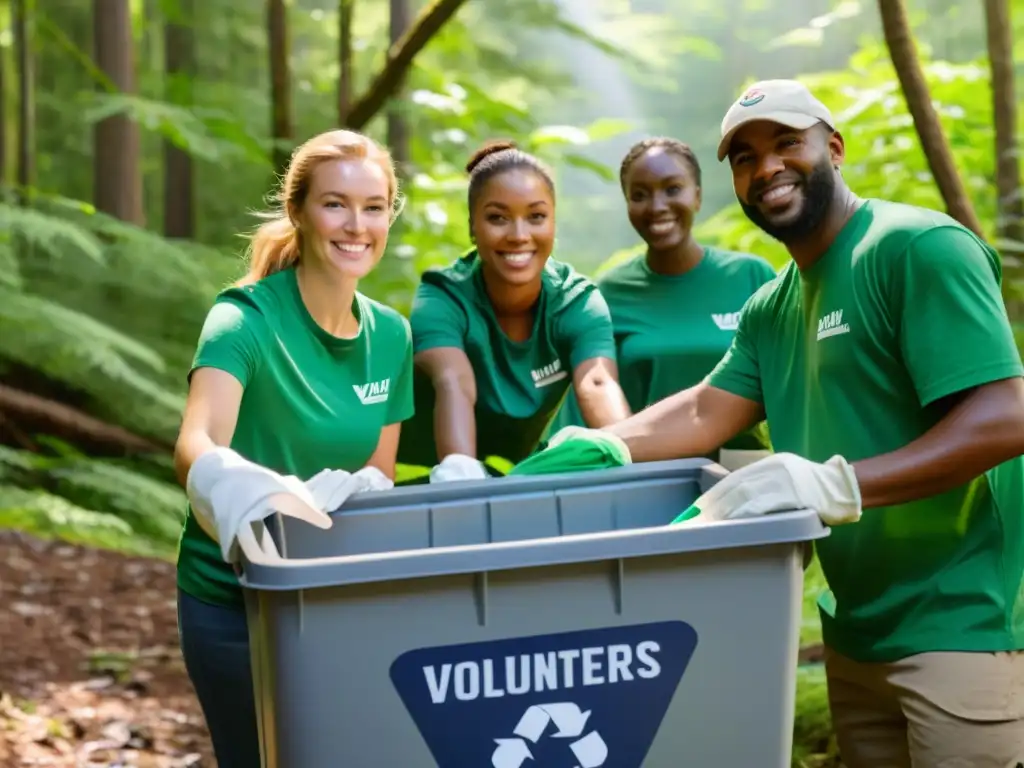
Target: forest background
138, 138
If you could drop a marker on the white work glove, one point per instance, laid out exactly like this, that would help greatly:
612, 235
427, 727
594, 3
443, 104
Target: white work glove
784, 482
332, 487
227, 492
458, 466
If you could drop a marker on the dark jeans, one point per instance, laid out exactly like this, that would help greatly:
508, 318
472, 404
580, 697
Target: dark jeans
215, 644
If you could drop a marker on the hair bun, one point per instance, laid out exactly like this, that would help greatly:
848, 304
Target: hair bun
490, 148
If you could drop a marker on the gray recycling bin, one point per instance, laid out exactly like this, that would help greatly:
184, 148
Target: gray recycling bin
550, 621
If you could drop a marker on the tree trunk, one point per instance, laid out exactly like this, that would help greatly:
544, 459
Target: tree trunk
398, 128
1010, 216
280, 84
1010, 225
179, 69
346, 75
26, 91
117, 178
903, 53
34, 412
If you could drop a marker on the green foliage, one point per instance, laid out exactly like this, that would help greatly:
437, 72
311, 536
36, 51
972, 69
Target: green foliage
97, 502
73, 277
813, 741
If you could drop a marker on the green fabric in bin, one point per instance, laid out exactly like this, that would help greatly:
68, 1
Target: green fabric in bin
691, 512
575, 449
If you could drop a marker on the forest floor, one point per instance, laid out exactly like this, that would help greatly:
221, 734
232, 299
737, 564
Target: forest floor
90, 671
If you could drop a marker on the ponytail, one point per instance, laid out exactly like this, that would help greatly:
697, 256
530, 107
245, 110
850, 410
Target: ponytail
273, 248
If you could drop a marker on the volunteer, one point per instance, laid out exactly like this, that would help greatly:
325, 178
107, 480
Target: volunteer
885, 363
504, 331
295, 372
675, 308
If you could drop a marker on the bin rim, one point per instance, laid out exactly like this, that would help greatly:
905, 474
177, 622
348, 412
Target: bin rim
262, 568
497, 487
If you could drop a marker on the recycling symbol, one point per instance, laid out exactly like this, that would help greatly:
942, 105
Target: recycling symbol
590, 750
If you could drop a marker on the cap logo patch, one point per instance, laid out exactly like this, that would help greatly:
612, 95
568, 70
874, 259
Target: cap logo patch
752, 97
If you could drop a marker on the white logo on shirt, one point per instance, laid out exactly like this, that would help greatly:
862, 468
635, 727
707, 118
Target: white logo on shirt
548, 374
374, 392
726, 321
832, 325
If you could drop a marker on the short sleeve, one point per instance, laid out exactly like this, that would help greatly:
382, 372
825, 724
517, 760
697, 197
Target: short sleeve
436, 318
763, 273
400, 404
585, 328
952, 326
738, 372
230, 340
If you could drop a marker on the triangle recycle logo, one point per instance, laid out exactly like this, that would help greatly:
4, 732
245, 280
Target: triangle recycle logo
581, 699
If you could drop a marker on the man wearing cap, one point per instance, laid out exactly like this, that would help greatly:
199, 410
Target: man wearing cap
885, 365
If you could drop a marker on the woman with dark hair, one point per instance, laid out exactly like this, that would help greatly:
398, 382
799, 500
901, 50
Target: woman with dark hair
501, 334
675, 307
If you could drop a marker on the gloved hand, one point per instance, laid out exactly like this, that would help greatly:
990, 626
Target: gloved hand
227, 492
332, 487
457, 466
780, 483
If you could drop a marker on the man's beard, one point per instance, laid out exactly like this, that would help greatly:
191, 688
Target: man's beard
817, 191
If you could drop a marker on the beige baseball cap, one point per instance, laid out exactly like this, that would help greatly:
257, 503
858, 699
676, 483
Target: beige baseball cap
781, 101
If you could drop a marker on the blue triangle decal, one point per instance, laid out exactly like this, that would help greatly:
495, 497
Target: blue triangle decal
570, 700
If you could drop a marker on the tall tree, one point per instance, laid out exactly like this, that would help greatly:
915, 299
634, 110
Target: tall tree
903, 52
346, 76
117, 180
179, 69
22, 11
1010, 225
398, 128
280, 84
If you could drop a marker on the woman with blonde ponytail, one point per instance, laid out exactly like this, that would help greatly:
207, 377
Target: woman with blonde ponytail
284, 384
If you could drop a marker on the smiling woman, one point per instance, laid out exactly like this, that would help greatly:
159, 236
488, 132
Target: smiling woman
502, 333
284, 382
675, 308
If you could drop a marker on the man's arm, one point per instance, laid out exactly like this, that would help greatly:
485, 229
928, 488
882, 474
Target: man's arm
983, 428
693, 422
957, 344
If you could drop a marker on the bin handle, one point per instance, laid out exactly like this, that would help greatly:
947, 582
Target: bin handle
258, 548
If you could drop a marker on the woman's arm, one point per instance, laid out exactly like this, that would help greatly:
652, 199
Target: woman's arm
601, 401
211, 413
454, 384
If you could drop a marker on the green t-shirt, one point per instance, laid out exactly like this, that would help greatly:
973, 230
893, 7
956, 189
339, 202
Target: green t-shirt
311, 400
519, 385
671, 330
850, 358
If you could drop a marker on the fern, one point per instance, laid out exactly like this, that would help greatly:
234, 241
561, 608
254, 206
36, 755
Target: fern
149, 511
73, 348
10, 270
154, 510
50, 517
55, 237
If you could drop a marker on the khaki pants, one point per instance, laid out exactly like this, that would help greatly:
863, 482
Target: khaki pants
932, 710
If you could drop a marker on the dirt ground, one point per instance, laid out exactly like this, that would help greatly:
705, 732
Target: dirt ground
90, 671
